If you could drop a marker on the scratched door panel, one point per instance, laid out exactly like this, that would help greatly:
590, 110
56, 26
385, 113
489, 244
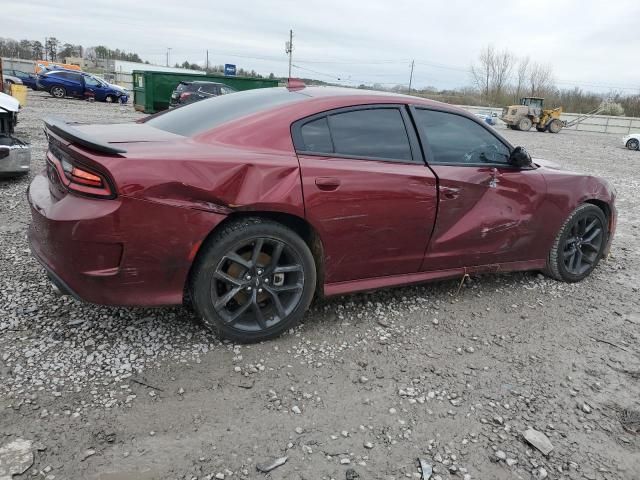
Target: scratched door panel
486, 215
376, 222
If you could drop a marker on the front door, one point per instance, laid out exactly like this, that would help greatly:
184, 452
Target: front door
366, 190
488, 211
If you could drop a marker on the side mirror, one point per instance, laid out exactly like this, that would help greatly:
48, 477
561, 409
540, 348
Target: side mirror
520, 158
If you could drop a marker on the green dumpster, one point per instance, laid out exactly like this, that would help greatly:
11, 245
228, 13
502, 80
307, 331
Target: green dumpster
152, 90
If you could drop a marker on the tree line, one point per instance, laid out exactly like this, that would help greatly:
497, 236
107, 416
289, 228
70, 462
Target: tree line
501, 78
53, 49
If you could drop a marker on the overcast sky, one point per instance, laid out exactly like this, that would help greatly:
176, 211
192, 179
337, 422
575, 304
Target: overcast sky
591, 43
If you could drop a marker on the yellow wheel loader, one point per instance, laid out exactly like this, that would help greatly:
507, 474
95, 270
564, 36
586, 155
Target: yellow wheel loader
530, 113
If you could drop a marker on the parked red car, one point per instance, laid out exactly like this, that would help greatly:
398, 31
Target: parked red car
250, 204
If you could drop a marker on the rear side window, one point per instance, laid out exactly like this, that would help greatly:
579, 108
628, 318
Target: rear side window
377, 133
316, 136
213, 89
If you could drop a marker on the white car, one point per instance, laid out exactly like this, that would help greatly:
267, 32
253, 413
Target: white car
632, 141
10, 80
15, 155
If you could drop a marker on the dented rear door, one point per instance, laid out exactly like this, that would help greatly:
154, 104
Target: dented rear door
366, 190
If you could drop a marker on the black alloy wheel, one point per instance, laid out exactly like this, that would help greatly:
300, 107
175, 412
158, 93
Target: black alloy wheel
254, 280
579, 245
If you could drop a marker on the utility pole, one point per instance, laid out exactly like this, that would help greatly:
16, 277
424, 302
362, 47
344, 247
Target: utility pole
45, 48
289, 49
411, 76
168, 50
207, 67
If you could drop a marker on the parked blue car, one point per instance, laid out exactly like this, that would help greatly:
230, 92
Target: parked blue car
70, 83
490, 118
28, 79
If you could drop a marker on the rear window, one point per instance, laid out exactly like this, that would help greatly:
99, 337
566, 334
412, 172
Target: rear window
201, 116
184, 87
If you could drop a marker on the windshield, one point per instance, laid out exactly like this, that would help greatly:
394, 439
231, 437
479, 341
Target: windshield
199, 117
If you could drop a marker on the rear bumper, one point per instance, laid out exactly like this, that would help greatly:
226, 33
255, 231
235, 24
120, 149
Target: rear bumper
115, 252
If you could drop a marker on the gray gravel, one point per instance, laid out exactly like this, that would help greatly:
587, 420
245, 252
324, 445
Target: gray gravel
368, 384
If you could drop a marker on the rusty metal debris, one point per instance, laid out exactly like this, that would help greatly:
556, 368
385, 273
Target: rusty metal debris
630, 420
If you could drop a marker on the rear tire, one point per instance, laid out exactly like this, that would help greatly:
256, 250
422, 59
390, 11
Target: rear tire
579, 245
555, 126
58, 92
253, 280
633, 144
524, 124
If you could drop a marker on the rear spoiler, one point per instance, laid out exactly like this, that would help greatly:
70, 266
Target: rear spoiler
72, 134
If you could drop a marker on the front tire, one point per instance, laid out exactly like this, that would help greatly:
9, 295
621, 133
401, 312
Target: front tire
555, 126
579, 245
110, 99
58, 92
253, 280
633, 144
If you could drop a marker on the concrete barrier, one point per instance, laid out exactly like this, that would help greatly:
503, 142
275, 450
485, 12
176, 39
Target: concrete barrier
596, 123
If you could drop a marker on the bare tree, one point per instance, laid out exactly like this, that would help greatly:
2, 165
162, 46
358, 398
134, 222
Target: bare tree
501, 68
540, 79
482, 72
523, 70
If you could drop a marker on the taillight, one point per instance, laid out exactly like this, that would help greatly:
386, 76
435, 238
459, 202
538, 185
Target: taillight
79, 178
185, 95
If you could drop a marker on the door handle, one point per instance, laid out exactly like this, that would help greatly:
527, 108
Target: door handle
327, 183
449, 192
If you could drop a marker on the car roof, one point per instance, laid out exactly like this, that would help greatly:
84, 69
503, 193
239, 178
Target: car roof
356, 96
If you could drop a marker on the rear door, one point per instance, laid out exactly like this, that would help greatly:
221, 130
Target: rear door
367, 190
487, 211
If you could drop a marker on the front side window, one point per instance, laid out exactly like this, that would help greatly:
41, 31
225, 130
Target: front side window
377, 133
457, 140
92, 82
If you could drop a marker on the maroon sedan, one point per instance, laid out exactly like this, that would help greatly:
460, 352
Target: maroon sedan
248, 205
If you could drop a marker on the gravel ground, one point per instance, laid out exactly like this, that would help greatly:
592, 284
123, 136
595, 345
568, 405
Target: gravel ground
368, 384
